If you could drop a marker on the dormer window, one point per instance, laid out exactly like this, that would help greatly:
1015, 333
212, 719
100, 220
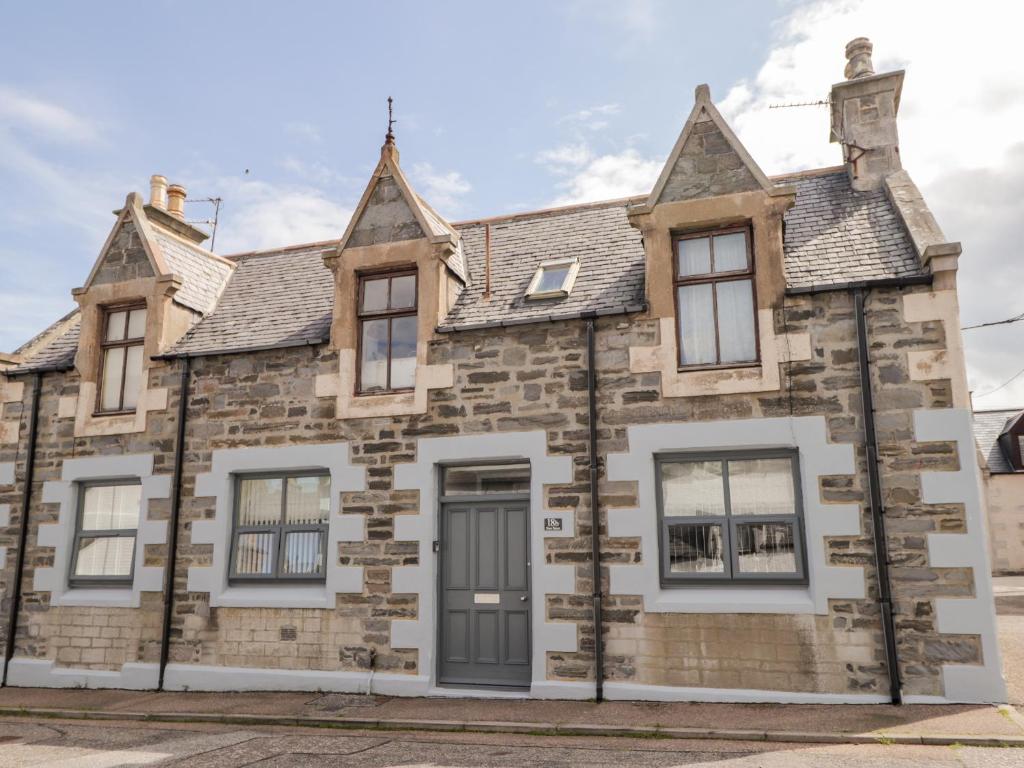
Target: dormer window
714, 285
553, 279
387, 332
121, 365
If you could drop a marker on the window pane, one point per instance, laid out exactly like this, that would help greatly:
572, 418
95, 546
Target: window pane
303, 553
374, 372
137, 324
552, 279
111, 507
766, 548
736, 321
694, 256
106, 556
259, 501
692, 489
730, 252
695, 548
761, 487
487, 478
132, 377
403, 292
113, 364
696, 325
375, 295
308, 500
403, 352
254, 554
115, 326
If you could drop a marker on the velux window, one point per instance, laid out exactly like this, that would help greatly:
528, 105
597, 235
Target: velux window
280, 526
124, 331
730, 517
714, 280
553, 279
107, 521
387, 332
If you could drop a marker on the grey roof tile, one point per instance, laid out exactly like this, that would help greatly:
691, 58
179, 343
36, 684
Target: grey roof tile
988, 425
203, 275
834, 235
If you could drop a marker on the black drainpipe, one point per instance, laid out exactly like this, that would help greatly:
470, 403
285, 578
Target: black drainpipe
172, 537
877, 511
26, 501
595, 514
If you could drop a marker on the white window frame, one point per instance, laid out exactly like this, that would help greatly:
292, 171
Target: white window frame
567, 284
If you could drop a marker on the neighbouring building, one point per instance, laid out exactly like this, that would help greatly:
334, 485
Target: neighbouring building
1000, 438
394, 459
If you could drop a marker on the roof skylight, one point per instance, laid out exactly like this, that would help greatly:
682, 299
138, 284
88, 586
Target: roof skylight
553, 279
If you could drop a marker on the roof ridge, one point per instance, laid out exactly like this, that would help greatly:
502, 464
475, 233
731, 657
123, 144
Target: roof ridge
809, 172
322, 244
554, 211
1011, 409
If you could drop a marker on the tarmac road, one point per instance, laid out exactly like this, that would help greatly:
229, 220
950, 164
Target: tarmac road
26, 743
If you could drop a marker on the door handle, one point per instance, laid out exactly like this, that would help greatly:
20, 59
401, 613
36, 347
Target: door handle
523, 598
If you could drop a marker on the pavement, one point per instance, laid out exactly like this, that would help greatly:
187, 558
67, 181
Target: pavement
81, 728
76, 744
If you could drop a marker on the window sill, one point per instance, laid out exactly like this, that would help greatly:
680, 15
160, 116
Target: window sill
276, 595
726, 367
92, 596
746, 598
101, 414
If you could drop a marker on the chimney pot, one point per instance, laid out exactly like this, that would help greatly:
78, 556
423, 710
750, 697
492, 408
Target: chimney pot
158, 191
858, 58
176, 201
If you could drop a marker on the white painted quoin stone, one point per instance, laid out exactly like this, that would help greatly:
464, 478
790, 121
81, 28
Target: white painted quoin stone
817, 456
60, 535
546, 580
963, 683
219, 483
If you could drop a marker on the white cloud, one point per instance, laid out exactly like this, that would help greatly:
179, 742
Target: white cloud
566, 158
443, 190
592, 118
303, 130
44, 119
609, 176
960, 115
258, 214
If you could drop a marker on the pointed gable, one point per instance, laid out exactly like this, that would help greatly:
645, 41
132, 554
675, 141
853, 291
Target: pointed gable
386, 218
707, 159
130, 252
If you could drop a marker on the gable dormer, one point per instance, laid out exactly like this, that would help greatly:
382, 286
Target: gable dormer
397, 271
150, 283
713, 242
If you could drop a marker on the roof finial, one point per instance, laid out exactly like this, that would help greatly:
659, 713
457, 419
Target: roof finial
389, 137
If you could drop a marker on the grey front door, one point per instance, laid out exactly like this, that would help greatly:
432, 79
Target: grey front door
485, 592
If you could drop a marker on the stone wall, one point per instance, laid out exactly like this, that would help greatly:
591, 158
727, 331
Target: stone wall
1005, 497
534, 378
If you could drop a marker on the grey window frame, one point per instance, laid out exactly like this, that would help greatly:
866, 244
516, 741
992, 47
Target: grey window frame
107, 533
729, 522
280, 530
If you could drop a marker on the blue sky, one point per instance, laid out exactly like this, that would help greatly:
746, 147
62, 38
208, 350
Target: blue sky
500, 107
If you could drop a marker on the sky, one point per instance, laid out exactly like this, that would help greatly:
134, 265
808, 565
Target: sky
280, 108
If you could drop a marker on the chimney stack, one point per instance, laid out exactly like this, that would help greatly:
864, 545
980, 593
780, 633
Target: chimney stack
176, 201
864, 108
158, 191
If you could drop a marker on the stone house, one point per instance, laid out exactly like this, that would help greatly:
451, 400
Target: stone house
710, 443
1000, 438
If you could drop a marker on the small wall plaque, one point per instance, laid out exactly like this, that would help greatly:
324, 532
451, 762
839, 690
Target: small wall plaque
552, 523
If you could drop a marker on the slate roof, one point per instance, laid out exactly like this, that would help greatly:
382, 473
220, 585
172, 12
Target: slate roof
203, 274
988, 425
834, 235
59, 354
273, 299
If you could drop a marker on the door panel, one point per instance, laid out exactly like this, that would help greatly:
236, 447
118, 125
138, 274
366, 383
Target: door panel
485, 610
